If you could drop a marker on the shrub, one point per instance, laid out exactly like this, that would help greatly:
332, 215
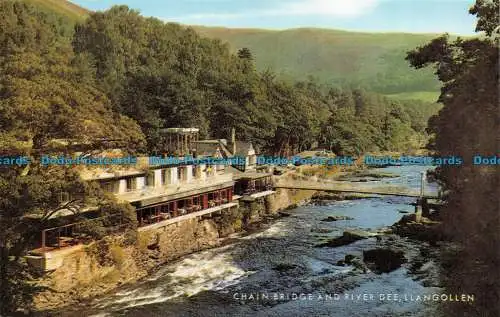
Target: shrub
118, 255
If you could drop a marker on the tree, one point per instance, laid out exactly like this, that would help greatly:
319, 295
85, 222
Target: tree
467, 125
46, 94
245, 53
487, 16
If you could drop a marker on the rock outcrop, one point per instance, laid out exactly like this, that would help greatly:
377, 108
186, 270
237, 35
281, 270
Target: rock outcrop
384, 260
347, 237
417, 227
336, 218
354, 261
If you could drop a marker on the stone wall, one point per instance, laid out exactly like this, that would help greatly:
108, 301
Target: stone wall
91, 270
286, 198
104, 265
173, 241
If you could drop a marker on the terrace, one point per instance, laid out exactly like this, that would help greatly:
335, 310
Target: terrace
254, 184
58, 242
82, 232
186, 208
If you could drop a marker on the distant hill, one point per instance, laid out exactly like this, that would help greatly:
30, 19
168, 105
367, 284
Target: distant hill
374, 61
66, 8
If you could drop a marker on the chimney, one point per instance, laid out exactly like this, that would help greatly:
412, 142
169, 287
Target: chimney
233, 140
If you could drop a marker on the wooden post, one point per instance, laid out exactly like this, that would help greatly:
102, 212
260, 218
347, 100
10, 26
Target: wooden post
175, 209
422, 184
205, 201
43, 239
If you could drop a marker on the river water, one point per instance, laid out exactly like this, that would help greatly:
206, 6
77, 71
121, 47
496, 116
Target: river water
278, 271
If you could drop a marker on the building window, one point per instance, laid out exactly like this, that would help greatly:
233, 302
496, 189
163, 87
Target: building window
180, 174
130, 184
150, 179
108, 187
63, 197
163, 176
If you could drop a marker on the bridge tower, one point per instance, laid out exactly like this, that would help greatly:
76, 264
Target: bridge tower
422, 207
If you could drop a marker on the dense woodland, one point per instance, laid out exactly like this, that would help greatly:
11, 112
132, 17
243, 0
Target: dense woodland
120, 77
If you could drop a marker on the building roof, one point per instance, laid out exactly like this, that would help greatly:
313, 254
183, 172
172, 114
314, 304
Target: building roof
251, 175
237, 174
243, 148
208, 149
211, 146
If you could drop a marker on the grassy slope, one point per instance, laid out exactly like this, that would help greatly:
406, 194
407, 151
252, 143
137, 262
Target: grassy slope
430, 96
66, 8
371, 60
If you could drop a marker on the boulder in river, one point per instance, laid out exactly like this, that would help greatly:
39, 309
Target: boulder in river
384, 260
419, 228
322, 202
284, 214
292, 206
348, 258
281, 267
359, 265
347, 237
321, 230
336, 218
327, 196
354, 261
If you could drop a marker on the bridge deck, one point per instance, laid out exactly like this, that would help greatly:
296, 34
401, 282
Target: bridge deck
342, 188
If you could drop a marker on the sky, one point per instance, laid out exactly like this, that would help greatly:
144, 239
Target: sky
415, 16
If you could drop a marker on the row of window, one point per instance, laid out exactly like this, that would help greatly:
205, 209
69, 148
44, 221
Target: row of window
166, 178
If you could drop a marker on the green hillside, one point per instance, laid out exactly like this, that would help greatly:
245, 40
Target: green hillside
72, 11
429, 96
374, 61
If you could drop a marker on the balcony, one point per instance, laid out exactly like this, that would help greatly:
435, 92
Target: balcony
163, 222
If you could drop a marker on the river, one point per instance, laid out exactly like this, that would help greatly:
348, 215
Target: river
278, 271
